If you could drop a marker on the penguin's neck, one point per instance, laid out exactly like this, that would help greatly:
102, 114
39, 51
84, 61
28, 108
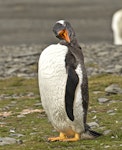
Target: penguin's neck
73, 43
74, 48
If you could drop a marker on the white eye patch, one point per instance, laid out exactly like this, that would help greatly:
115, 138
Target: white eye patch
61, 22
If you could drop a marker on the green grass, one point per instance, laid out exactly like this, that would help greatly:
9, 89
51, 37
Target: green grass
36, 128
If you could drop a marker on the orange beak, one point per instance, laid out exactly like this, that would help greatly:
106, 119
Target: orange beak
64, 35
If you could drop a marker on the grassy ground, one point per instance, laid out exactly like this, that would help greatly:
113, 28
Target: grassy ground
23, 94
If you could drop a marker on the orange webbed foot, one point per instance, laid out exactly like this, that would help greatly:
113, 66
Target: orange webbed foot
62, 137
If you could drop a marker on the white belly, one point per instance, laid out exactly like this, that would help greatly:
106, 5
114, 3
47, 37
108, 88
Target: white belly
52, 83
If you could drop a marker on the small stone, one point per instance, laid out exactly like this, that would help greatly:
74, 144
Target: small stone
118, 68
12, 131
7, 140
113, 89
38, 104
94, 117
112, 114
96, 92
34, 133
110, 71
21, 116
93, 124
31, 94
21, 75
93, 111
16, 135
107, 132
110, 111
103, 100
112, 137
107, 146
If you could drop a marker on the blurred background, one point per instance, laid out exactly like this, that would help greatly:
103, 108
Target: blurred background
31, 21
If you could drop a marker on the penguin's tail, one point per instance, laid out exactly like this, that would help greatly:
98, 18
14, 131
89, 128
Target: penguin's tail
90, 134
94, 133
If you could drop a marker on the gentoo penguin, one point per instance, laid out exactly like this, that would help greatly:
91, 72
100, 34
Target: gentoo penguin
117, 27
63, 86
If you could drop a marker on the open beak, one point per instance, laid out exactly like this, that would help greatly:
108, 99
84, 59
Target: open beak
64, 35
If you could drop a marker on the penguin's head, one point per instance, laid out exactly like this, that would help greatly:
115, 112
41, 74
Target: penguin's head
64, 31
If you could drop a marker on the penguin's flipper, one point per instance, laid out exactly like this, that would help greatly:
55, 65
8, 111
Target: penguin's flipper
72, 82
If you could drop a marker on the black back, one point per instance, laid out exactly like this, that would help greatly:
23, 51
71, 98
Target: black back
73, 58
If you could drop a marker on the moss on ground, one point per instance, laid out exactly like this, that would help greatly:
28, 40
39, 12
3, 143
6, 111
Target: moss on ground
23, 94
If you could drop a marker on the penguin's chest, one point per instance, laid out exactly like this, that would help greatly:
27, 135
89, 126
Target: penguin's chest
52, 81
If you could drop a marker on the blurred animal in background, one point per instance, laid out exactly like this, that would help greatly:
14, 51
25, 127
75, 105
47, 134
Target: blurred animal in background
117, 27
